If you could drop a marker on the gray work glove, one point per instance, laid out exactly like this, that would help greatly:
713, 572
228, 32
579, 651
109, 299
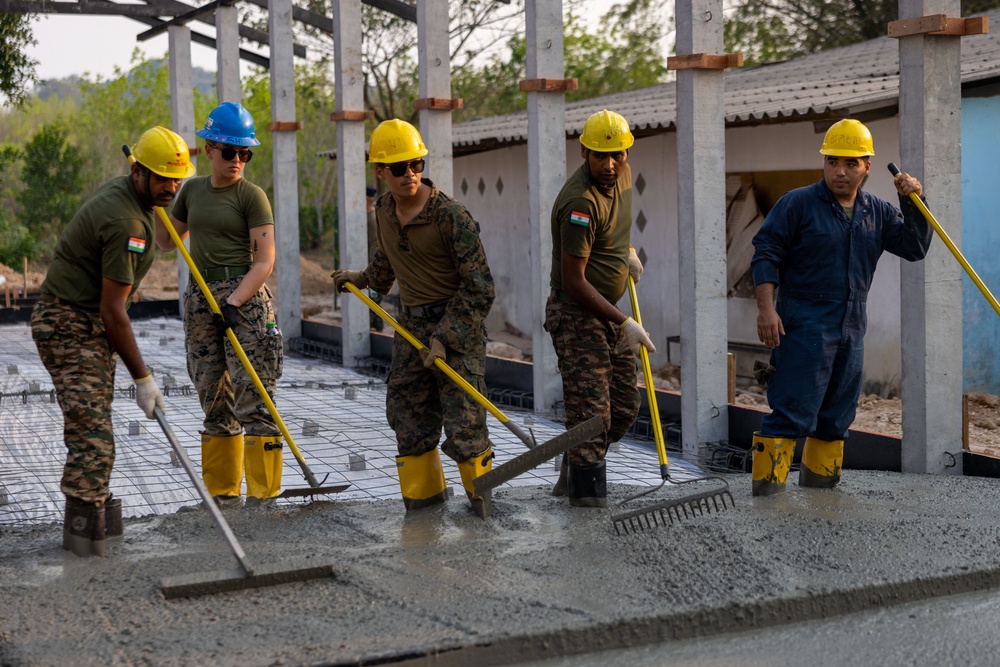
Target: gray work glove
634, 265
435, 351
341, 276
636, 337
148, 396
762, 372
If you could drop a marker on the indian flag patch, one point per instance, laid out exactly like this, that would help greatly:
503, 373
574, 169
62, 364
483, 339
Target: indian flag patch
136, 244
577, 218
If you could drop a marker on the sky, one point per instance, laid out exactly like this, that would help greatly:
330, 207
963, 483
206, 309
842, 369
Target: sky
70, 44
76, 44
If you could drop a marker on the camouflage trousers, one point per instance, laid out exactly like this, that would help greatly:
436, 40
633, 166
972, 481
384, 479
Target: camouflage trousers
419, 401
77, 354
228, 395
598, 376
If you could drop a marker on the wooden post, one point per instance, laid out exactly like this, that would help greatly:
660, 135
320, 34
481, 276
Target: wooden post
965, 422
24, 294
731, 391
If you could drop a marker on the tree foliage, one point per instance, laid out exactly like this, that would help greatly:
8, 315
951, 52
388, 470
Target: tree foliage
623, 55
769, 30
17, 70
51, 178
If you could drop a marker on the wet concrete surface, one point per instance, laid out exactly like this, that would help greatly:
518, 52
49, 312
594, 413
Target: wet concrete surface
537, 581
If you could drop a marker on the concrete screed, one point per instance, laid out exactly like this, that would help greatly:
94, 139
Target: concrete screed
537, 580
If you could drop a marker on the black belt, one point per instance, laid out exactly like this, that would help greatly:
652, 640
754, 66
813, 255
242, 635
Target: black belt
428, 310
225, 272
559, 295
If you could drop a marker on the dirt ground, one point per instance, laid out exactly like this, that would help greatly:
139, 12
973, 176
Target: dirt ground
876, 414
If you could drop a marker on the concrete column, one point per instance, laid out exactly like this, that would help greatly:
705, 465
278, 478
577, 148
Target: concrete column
434, 66
351, 155
182, 115
701, 210
546, 176
285, 168
930, 103
227, 54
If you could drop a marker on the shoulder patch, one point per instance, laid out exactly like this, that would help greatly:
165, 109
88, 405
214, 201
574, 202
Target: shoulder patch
577, 218
136, 244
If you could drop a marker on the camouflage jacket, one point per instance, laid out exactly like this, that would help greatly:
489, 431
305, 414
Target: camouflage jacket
456, 264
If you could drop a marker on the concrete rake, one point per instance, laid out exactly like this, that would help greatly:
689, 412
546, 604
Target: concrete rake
668, 511
244, 577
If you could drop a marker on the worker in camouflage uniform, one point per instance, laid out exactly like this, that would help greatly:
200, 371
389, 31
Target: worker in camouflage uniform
596, 344
232, 244
430, 244
80, 326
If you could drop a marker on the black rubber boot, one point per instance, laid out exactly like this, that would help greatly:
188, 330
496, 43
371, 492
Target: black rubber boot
113, 528
84, 529
559, 488
587, 487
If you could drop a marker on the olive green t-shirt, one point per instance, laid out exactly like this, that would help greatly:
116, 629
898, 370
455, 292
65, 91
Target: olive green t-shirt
111, 236
219, 220
595, 223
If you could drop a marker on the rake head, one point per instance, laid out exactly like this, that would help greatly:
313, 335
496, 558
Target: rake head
674, 510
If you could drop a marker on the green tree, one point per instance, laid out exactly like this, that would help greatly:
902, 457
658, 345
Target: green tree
17, 70
769, 30
624, 57
51, 176
15, 239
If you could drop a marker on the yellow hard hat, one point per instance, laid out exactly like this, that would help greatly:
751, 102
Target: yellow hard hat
848, 138
395, 141
607, 132
163, 152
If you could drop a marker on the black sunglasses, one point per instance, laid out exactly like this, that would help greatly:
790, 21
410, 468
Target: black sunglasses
399, 168
228, 153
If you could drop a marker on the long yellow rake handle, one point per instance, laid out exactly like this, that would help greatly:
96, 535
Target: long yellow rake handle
647, 372
310, 477
951, 245
445, 368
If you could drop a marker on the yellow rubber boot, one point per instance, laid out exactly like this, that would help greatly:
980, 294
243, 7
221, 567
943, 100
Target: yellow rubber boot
222, 466
421, 480
821, 463
772, 457
472, 468
263, 462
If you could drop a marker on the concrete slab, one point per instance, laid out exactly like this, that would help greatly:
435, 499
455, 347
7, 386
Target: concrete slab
440, 586
443, 587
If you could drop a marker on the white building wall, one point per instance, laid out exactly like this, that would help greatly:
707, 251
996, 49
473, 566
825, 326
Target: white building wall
502, 213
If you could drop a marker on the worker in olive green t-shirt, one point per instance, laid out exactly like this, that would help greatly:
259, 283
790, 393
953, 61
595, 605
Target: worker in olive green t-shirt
231, 227
80, 326
596, 344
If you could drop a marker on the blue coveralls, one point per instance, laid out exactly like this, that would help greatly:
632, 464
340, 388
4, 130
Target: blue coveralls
823, 264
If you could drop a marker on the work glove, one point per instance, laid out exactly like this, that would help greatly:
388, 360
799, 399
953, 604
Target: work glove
229, 318
341, 276
149, 396
435, 351
636, 337
634, 265
762, 372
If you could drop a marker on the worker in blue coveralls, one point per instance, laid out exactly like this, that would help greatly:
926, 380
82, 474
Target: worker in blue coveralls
817, 249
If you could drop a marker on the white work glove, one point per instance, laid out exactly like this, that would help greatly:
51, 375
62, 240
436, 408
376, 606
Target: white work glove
634, 265
636, 337
149, 396
341, 276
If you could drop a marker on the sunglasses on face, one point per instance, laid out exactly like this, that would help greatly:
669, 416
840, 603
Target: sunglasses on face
228, 153
398, 169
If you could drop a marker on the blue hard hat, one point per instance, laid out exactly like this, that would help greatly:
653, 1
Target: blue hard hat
370, 191
229, 123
